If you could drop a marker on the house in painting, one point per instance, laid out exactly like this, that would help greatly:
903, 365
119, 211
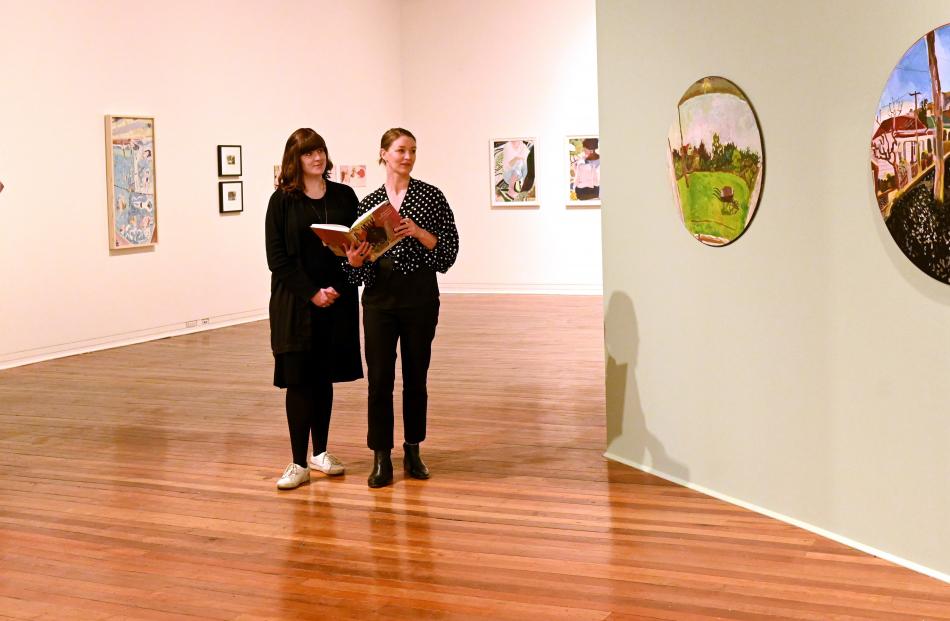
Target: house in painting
896, 145
904, 143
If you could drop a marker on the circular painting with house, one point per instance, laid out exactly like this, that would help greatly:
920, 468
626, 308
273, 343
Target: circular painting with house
909, 154
716, 161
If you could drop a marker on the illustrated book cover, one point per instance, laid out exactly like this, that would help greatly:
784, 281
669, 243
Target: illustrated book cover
376, 226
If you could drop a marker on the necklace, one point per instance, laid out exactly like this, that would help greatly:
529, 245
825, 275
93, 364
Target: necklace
323, 200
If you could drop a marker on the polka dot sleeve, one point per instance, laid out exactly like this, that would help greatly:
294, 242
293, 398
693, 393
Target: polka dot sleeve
443, 256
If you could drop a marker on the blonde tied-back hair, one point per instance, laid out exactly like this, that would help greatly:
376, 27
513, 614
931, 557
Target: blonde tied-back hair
392, 135
304, 140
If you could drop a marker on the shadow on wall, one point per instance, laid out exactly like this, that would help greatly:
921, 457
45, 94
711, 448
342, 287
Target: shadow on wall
627, 433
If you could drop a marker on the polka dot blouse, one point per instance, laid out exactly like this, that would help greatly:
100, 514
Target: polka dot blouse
425, 205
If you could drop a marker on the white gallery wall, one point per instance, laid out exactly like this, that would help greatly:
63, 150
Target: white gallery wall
474, 71
802, 370
250, 73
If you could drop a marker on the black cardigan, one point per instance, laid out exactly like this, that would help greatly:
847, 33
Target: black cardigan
293, 285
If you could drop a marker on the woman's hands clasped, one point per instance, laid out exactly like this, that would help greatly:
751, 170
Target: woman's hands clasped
325, 297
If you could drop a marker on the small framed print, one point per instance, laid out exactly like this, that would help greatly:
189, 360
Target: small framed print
230, 196
353, 175
229, 160
512, 166
583, 158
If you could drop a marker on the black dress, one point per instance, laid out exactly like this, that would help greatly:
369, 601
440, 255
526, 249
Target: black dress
311, 344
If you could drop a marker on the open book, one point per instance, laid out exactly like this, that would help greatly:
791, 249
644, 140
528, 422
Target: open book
376, 226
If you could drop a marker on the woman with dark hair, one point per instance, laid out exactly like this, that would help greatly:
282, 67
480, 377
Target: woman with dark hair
401, 303
314, 313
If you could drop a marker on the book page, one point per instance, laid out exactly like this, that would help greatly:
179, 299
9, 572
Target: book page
334, 237
331, 227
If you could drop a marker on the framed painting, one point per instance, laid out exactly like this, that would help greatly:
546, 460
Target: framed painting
513, 172
353, 175
130, 179
229, 160
716, 161
909, 149
583, 159
230, 196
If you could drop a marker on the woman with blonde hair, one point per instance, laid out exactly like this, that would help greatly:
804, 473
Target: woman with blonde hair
401, 303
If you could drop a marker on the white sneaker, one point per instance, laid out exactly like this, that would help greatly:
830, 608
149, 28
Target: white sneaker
294, 476
326, 463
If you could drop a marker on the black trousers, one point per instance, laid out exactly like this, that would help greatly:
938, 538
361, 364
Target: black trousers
586, 194
413, 329
308, 414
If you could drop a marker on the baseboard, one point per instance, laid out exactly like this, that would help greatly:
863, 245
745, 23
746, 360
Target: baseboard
857, 545
61, 350
522, 288
40, 354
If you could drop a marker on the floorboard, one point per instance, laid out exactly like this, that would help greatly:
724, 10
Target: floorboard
138, 483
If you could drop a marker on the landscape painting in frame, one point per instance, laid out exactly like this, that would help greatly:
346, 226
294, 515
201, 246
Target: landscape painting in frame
130, 172
909, 154
583, 153
513, 178
716, 161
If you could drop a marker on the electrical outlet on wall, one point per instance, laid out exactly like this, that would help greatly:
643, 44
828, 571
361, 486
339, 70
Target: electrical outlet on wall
205, 321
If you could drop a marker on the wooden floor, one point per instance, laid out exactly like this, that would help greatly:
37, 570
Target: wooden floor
138, 483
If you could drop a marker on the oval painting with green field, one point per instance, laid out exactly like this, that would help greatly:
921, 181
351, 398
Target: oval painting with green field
716, 161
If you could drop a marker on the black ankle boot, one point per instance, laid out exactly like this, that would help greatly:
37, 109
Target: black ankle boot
382, 474
413, 463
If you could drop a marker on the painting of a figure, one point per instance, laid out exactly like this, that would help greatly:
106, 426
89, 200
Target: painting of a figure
353, 175
130, 144
583, 154
716, 161
513, 172
908, 154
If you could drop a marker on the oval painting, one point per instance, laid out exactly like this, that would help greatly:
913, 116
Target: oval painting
911, 134
716, 161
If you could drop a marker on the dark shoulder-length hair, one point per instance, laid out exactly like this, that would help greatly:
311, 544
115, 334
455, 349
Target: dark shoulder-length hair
302, 141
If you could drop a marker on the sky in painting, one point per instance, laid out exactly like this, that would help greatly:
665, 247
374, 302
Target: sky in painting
726, 115
128, 128
913, 72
